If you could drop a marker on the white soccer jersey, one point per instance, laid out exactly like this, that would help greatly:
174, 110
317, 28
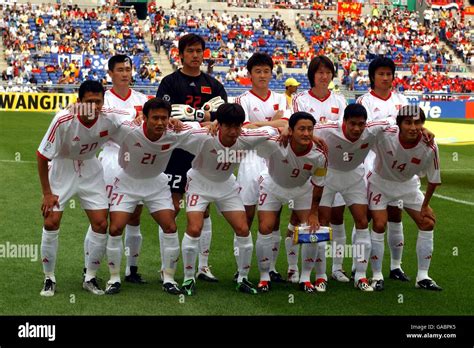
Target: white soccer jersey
330, 108
379, 108
289, 169
400, 162
260, 110
142, 158
345, 155
69, 137
217, 162
133, 103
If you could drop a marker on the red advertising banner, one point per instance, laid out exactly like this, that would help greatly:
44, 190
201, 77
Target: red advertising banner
346, 9
469, 11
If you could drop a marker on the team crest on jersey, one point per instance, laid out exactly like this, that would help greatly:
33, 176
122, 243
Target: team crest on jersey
206, 90
47, 146
415, 160
166, 97
275, 107
76, 138
335, 110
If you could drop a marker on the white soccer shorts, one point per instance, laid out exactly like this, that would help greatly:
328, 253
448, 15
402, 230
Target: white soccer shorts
381, 192
129, 192
247, 178
349, 185
272, 196
68, 177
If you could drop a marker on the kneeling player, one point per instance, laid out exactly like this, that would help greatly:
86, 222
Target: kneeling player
144, 154
401, 156
295, 175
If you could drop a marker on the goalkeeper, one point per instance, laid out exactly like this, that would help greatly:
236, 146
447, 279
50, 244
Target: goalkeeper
194, 95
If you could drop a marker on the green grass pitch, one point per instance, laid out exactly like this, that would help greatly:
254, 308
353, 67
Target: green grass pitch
21, 222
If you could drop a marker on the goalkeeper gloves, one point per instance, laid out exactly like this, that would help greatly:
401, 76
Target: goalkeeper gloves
185, 112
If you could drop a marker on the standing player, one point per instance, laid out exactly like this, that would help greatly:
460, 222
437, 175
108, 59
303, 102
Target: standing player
262, 107
196, 89
211, 179
71, 143
144, 153
295, 174
402, 156
325, 106
382, 102
122, 97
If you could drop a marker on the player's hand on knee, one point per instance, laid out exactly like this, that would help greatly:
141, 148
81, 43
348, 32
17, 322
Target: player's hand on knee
49, 202
427, 213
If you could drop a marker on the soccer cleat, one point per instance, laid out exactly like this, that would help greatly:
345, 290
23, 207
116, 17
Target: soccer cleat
276, 277
428, 284
340, 275
172, 288
204, 273
189, 287
307, 287
93, 287
246, 287
398, 274
263, 286
320, 285
236, 276
377, 284
112, 288
134, 277
363, 285
49, 288
293, 276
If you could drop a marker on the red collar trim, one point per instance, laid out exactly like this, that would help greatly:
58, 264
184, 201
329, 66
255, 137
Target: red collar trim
377, 96
87, 125
124, 99
220, 140
321, 100
268, 95
146, 134
344, 133
409, 145
304, 152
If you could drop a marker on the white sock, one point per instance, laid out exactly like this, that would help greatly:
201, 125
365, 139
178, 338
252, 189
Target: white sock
97, 245
133, 244
362, 244
276, 240
189, 247
114, 257
205, 243
354, 261
86, 245
244, 256
292, 253
376, 254
339, 241
263, 249
395, 241
424, 252
309, 253
49, 251
320, 263
170, 256
160, 238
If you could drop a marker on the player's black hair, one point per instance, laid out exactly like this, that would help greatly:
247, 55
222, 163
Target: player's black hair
118, 58
410, 111
300, 115
355, 110
380, 62
188, 40
316, 62
230, 114
91, 86
156, 103
259, 59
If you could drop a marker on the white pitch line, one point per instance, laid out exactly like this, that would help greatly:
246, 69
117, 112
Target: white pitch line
12, 161
457, 170
453, 199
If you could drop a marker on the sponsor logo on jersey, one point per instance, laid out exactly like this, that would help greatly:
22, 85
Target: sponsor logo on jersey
311, 110
308, 166
76, 138
104, 133
255, 109
415, 160
192, 84
335, 110
376, 109
206, 90
138, 145
165, 147
390, 153
166, 97
364, 146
